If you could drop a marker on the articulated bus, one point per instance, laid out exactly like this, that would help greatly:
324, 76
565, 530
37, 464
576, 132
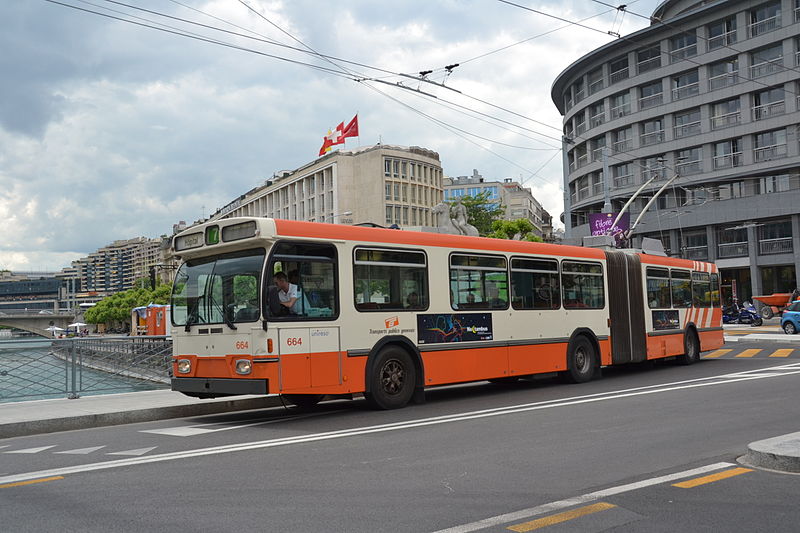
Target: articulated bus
307, 310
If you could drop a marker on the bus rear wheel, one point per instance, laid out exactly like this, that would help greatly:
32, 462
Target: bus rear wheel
303, 400
392, 379
581, 361
691, 349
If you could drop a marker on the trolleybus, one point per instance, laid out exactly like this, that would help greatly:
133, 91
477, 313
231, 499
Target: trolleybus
307, 310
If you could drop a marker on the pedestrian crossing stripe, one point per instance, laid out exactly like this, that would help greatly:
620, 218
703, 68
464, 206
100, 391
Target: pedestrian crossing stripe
749, 353
783, 352
717, 353
752, 352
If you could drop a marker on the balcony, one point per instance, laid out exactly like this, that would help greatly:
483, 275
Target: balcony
648, 64
683, 53
768, 153
580, 128
622, 146
763, 26
597, 120
732, 249
726, 39
651, 101
692, 89
760, 112
620, 111
723, 80
654, 137
596, 86
619, 75
766, 68
697, 253
727, 160
687, 130
689, 167
623, 181
781, 245
728, 119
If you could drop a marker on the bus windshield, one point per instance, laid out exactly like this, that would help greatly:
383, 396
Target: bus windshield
221, 289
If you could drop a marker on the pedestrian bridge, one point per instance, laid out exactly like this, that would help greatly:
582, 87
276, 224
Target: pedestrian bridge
36, 321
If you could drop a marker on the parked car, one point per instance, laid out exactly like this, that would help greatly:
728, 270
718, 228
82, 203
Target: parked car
790, 319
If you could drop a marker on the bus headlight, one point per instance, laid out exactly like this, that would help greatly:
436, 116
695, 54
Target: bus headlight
184, 366
243, 366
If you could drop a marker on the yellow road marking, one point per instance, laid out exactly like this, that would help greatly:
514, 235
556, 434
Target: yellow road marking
31, 482
784, 352
712, 478
561, 517
749, 353
717, 353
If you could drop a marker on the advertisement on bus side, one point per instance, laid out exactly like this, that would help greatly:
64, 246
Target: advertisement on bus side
454, 327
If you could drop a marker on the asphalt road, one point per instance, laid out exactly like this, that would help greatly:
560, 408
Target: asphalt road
600, 456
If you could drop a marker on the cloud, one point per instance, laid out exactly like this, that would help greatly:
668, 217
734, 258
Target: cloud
111, 131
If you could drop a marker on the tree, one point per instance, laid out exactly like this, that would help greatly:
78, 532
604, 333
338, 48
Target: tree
116, 309
481, 211
508, 229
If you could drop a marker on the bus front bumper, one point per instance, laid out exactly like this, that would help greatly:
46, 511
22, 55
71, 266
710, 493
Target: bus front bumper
213, 387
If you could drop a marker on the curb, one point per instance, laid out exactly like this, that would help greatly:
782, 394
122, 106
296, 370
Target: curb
778, 453
52, 425
761, 337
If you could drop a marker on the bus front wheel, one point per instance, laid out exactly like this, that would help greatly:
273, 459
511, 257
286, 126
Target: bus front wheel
581, 361
392, 379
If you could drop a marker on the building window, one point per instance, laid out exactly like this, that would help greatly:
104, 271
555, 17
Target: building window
388, 188
766, 61
597, 114
618, 69
683, 45
583, 188
598, 143
623, 174
727, 113
578, 91
685, 85
597, 183
580, 122
651, 95
770, 145
648, 58
687, 123
695, 245
620, 105
721, 33
690, 161
727, 154
775, 237
652, 167
387, 167
723, 73
768, 103
764, 19
595, 80
652, 132
622, 140
732, 242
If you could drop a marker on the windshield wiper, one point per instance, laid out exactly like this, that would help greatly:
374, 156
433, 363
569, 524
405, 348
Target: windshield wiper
225, 317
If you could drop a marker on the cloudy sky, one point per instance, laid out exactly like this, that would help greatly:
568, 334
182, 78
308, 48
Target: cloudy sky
112, 130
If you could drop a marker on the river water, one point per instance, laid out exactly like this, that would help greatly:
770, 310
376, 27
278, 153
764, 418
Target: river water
29, 371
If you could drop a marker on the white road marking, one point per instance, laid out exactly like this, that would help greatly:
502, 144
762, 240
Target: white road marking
32, 450
82, 451
190, 431
383, 428
578, 500
139, 451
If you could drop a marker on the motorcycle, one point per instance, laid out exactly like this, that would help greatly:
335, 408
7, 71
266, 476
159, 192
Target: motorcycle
746, 314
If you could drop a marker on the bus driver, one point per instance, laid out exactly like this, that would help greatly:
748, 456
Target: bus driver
287, 293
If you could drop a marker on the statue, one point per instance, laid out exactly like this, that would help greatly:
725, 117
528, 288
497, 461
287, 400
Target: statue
460, 220
455, 223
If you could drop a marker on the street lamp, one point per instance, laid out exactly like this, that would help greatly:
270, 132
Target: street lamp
342, 214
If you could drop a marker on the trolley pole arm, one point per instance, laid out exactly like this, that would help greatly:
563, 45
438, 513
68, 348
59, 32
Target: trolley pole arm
653, 199
628, 203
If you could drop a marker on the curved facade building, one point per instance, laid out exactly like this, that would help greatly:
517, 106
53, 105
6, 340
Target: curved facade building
709, 91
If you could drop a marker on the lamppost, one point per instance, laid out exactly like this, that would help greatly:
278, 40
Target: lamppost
342, 214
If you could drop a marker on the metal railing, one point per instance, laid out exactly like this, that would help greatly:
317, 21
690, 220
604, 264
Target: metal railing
731, 160
728, 119
47, 368
782, 245
760, 112
646, 102
764, 26
767, 153
685, 130
732, 249
718, 41
766, 67
685, 91
699, 253
653, 137
723, 80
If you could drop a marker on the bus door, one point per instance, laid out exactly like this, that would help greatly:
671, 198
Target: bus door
626, 308
309, 357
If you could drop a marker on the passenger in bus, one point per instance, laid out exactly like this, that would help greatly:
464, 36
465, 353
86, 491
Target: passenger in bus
287, 293
412, 301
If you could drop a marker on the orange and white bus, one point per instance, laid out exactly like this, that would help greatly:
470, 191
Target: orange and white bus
303, 309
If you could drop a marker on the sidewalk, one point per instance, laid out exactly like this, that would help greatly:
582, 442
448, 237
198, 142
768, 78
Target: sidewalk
745, 332
19, 419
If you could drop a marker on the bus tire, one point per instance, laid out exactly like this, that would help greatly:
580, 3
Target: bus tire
303, 400
581, 361
392, 379
691, 349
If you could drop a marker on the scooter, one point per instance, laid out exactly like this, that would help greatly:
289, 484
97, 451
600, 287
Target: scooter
746, 314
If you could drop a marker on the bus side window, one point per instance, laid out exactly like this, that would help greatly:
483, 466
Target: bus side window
658, 293
681, 288
582, 285
389, 279
535, 284
478, 282
701, 289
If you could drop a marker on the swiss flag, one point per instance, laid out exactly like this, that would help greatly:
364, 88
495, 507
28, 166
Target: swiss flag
351, 130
